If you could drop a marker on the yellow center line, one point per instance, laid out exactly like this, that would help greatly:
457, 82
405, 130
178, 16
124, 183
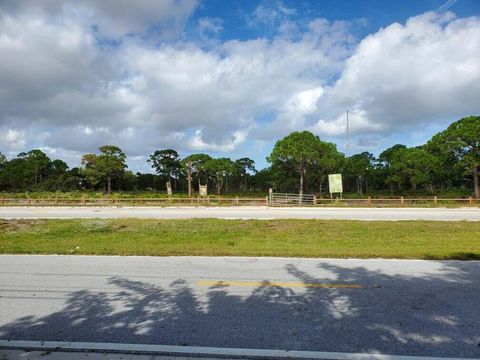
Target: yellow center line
278, 284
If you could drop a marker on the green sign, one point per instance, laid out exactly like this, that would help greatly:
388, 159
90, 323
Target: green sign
335, 183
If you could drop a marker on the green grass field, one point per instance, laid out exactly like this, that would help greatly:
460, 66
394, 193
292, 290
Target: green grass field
212, 237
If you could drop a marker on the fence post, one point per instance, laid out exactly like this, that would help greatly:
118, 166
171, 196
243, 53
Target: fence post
29, 201
401, 201
270, 197
56, 199
314, 200
336, 200
266, 200
237, 200
84, 200
470, 200
1, 200
208, 200
435, 200
369, 201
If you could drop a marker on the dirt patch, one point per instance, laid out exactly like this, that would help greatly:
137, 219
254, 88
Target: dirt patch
18, 225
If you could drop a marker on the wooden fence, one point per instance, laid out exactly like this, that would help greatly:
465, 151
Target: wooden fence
117, 201
402, 201
235, 201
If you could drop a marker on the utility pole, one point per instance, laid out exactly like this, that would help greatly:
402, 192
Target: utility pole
189, 177
347, 138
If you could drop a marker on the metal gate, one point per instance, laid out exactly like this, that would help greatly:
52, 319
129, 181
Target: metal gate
285, 199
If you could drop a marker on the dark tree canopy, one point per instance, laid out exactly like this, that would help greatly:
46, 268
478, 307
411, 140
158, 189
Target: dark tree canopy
3, 160
462, 140
300, 150
220, 171
110, 164
166, 163
194, 166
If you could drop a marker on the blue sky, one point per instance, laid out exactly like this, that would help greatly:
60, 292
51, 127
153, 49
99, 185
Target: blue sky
375, 13
229, 78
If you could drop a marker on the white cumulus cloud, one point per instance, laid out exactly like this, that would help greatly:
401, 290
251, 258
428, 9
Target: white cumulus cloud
408, 76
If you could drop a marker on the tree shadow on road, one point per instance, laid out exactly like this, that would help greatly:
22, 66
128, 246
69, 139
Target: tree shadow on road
393, 314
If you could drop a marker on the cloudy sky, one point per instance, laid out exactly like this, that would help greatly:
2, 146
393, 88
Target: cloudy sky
229, 78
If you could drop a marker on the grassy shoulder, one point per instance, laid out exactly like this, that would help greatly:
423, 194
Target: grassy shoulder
214, 237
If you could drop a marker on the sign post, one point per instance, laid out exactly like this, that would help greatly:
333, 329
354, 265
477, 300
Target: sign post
335, 185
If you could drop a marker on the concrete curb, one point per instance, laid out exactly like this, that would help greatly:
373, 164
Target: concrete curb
200, 352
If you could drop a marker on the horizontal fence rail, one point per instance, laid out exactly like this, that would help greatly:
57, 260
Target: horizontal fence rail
118, 201
276, 199
402, 201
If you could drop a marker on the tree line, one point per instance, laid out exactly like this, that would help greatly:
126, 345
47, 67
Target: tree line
300, 162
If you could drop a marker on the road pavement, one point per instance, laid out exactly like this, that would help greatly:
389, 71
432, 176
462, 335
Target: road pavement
402, 307
443, 214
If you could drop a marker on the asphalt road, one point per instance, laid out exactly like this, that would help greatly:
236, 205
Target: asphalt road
403, 307
470, 214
